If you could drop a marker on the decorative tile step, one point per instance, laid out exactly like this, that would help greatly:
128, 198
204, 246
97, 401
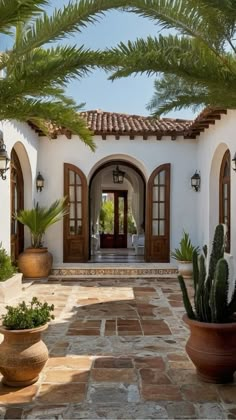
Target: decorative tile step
93, 270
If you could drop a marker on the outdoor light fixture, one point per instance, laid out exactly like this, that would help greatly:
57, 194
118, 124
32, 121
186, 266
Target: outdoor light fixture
234, 162
196, 181
118, 176
39, 182
4, 159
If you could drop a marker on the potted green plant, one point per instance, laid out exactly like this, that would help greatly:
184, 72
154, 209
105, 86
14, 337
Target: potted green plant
184, 255
22, 352
36, 261
212, 322
10, 279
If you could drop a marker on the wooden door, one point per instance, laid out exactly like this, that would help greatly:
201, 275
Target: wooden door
158, 216
76, 221
17, 203
224, 194
115, 234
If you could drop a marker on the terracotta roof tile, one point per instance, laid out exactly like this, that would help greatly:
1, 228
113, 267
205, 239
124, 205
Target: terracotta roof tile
105, 123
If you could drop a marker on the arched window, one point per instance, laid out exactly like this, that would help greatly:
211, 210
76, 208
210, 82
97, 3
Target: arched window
224, 195
17, 203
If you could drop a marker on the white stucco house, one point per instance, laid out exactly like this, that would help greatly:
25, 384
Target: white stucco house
158, 159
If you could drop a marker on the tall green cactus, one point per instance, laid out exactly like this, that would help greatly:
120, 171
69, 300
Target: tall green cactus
210, 289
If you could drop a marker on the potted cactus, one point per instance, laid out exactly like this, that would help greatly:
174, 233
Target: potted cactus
212, 321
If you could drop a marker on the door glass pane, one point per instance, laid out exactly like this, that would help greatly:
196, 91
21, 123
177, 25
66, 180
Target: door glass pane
79, 227
161, 227
72, 227
79, 210
78, 180
155, 193
71, 193
225, 190
162, 193
78, 192
155, 227
106, 219
72, 211
162, 210
162, 177
225, 207
71, 177
121, 215
155, 212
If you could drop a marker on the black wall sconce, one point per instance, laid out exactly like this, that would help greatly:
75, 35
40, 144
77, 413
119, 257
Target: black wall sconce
234, 162
39, 182
118, 176
4, 159
196, 181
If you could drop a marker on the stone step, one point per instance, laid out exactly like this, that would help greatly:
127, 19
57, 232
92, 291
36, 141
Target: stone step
114, 270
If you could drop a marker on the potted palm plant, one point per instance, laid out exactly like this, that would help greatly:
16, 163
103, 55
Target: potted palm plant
10, 279
212, 321
22, 352
36, 261
184, 255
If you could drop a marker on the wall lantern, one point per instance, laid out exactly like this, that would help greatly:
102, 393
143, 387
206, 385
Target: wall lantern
39, 182
118, 176
196, 181
234, 162
4, 159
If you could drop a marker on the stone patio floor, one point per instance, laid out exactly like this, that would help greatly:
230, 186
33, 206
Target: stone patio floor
116, 352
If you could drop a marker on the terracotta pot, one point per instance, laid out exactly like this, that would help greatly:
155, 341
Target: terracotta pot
212, 349
22, 356
35, 262
185, 269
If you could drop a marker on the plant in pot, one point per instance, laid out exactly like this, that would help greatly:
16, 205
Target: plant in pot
36, 261
10, 279
212, 321
23, 354
184, 255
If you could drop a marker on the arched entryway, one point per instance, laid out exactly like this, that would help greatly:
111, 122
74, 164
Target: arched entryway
117, 212
224, 197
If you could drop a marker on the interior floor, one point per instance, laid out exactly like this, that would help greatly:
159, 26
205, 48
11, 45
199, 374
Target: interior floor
116, 255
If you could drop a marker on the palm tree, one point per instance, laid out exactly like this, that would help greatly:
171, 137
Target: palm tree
195, 62
34, 74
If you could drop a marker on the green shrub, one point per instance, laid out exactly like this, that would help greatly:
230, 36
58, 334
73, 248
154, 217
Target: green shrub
6, 268
22, 316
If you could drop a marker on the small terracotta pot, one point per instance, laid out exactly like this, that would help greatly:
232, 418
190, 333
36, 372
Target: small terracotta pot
212, 349
22, 356
35, 262
186, 269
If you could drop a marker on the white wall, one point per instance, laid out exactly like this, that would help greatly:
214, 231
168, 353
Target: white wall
145, 154
25, 141
212, 145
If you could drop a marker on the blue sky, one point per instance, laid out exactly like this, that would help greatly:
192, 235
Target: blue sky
128, 95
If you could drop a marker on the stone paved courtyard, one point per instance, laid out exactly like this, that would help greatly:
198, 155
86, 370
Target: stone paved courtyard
116, 352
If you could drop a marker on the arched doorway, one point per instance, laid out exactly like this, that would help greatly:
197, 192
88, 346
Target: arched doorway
224, 197
17, 203
117, 213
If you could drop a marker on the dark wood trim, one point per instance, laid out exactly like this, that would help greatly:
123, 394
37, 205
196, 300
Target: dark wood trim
150, 239
222, 181
79, 239
17, 203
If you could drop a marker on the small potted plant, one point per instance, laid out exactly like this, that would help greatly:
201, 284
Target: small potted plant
36, 261
10, 279
184, 255
212, 321
23, 354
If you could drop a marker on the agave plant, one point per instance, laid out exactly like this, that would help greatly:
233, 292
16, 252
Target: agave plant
39, 219
185, 250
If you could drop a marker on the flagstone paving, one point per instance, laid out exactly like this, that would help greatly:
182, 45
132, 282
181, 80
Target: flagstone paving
116, 352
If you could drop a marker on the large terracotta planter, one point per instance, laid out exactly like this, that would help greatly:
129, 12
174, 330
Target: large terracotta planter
35, 262
22, 356
212, 349
185, 269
